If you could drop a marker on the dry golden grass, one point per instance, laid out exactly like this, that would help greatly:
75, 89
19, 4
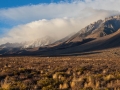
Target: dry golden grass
5, 84
59, 73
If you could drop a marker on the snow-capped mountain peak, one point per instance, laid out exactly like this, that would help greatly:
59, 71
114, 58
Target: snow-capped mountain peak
39, 42
30, 44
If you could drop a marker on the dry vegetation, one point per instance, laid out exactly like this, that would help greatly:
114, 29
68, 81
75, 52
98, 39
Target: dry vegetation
59, 73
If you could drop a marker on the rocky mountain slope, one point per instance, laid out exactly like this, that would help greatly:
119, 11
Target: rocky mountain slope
97, 29
30, 44
102, 34
39, 42
99, 35
15, 47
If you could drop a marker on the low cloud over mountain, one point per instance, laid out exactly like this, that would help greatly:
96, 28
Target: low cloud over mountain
56, 19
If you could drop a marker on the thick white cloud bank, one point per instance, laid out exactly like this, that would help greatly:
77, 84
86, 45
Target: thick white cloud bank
56, 20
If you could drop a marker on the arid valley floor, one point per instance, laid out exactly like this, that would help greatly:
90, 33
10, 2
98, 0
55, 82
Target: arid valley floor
98, 70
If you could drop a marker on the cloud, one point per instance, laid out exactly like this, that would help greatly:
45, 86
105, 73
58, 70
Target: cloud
56, 19
57, 28
55, 10
42, 11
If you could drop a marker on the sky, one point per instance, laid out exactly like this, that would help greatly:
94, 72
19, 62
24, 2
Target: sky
26, 20
16, 3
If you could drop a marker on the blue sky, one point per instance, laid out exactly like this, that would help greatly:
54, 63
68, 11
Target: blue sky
25, 20
16, 3
5, 4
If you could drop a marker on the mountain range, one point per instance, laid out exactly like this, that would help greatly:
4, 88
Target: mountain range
102, 34
12, 47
